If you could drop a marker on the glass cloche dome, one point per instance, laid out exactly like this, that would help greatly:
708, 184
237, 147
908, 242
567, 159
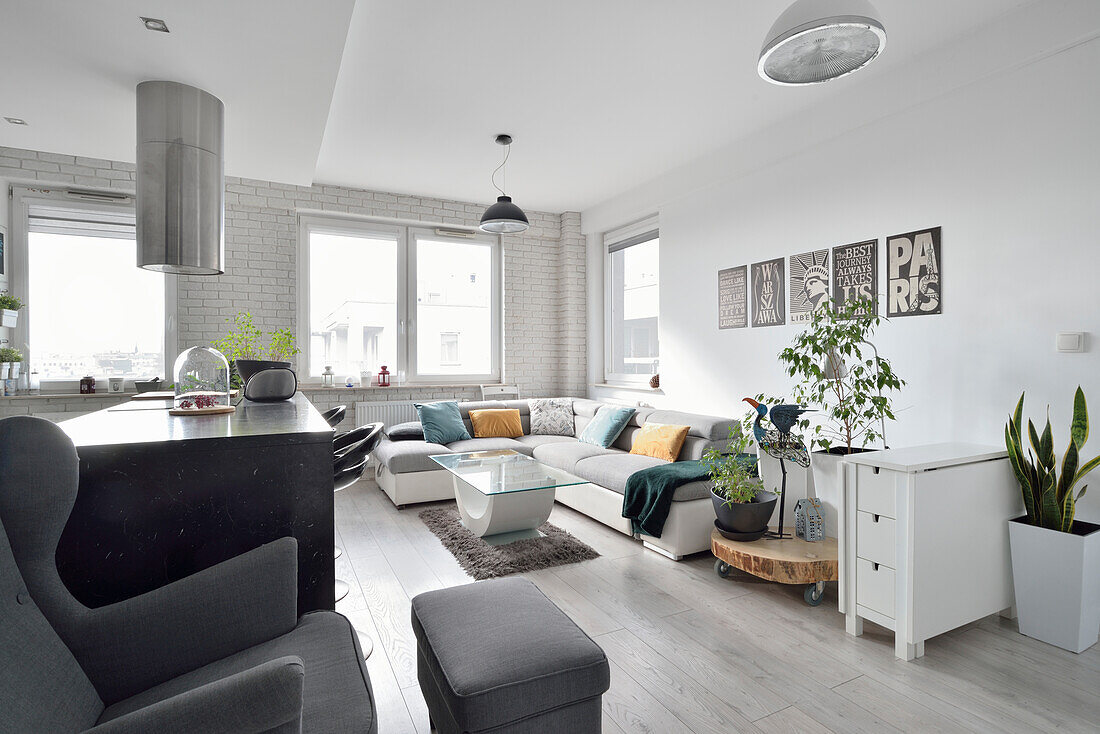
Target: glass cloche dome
202, 379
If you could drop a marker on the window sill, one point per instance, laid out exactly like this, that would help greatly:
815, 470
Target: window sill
406, 386
632, 387
70, 395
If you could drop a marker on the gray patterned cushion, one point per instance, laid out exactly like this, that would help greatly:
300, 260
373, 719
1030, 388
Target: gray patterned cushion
551, 416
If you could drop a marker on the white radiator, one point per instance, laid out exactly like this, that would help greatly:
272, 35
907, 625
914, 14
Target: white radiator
389, 412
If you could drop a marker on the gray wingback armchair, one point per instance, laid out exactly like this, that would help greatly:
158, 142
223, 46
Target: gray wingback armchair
218, 651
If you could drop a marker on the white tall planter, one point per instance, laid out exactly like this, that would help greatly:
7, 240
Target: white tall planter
826, 487
1057, 581
9, 318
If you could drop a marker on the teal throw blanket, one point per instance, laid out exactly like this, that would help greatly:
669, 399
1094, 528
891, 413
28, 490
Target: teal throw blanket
648, 496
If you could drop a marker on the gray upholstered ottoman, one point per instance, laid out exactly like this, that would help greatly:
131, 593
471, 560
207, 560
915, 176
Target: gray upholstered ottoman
498, 656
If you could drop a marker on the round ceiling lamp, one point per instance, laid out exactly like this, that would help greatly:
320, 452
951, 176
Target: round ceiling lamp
504, 217
816, 41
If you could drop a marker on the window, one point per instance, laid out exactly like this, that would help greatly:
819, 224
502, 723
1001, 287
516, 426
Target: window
633, 303
454, 294
90, 309
425, 303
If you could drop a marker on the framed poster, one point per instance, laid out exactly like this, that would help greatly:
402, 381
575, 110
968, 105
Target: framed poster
855, 272
913, 278
809, 284
733, 298
768, 299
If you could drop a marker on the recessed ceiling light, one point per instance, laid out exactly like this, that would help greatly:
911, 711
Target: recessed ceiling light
155, 24
15, 121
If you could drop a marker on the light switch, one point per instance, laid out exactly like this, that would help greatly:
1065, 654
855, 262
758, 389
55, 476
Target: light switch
1070, 341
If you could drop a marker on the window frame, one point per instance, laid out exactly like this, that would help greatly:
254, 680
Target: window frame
22, 197
405, 371
614, 241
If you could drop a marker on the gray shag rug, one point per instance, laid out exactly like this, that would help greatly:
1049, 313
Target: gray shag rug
483, 561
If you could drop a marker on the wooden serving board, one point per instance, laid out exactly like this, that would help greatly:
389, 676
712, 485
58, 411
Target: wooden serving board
786, 561
219, 410
166, 395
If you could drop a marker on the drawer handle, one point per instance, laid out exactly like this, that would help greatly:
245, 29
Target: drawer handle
875, 469
874, 518
874, 566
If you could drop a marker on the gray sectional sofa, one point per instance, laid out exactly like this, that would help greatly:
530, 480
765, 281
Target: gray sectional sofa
407, 474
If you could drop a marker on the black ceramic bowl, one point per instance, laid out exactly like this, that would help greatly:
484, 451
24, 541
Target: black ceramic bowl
248, 367
748, 517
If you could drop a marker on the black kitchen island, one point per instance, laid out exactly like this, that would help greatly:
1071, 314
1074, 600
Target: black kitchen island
164, 496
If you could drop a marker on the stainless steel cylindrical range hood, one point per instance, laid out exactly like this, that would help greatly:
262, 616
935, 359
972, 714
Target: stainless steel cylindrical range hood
180, 179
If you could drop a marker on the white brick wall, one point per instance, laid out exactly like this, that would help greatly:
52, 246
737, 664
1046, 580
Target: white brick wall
544, 268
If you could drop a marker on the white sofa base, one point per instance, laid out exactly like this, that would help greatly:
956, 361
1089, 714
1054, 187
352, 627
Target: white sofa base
687, 528
413, 487
686, 531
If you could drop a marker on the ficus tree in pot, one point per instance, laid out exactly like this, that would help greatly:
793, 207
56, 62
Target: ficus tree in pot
1055, 557
842, 377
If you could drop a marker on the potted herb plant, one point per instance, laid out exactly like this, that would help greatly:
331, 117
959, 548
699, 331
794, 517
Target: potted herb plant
842, 376
9, 309
741, 503
16, 359
6, 354
242, 347
1055, 557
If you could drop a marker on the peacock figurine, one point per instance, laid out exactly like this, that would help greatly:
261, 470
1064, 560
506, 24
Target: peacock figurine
779, 442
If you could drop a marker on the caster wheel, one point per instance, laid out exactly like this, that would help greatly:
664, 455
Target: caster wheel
812, 596
722, 568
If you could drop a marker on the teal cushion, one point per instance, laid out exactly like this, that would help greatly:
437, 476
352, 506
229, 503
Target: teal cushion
442, 422
606, 425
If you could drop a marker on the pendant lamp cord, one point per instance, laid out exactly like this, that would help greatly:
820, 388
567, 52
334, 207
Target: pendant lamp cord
504, 177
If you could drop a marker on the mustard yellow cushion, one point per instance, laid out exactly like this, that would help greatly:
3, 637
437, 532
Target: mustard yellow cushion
496, 423
659, 440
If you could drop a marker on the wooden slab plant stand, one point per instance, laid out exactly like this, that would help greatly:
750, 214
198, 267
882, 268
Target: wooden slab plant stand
785, 561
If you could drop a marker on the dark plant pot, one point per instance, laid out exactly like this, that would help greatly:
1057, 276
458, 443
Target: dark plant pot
747, 517
248, 367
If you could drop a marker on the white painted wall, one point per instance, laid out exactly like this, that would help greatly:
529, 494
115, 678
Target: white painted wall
1009, 166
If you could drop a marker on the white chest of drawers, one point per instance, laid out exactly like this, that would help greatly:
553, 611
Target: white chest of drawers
924, 539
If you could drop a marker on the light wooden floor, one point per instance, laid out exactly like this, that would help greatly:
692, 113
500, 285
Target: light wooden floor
691, 652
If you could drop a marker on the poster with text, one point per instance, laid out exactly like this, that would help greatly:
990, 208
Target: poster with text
733, 298
768, 298
913, 278
855, 272
809, 284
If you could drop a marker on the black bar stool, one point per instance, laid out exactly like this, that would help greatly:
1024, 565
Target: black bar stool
335, 416
351, 452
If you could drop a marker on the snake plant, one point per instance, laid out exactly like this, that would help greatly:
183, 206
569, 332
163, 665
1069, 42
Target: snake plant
1048, 497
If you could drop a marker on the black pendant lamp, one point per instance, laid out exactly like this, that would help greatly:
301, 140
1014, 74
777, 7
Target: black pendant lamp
504, 217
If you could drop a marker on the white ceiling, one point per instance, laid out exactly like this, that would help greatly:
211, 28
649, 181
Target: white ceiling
600, 96
70, 70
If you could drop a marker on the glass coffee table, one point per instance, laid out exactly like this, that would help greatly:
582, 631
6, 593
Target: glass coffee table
502, 495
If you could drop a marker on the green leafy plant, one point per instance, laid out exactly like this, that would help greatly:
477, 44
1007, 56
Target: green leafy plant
1048, 497
735, 480
7, 354
851, 397
246, 341
241, 342
9, 302
283, 346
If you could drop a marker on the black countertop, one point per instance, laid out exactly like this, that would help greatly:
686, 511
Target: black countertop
148, 422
